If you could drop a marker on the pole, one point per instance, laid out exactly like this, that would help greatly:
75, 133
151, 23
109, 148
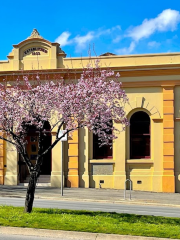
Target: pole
61, 168
125, 190
62, 138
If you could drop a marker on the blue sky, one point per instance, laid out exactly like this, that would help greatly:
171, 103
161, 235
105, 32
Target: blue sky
120, 27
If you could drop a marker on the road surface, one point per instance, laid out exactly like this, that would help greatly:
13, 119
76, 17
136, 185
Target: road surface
166, 211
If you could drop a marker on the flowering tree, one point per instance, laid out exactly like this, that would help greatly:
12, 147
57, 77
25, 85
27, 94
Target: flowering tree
95, 101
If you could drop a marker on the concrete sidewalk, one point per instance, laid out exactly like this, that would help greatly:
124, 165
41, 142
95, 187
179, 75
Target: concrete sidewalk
68, 235
91, 194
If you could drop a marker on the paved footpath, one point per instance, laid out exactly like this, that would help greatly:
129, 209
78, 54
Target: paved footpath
67, 235
91, 194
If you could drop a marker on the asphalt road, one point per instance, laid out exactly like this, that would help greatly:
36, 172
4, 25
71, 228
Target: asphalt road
167, 211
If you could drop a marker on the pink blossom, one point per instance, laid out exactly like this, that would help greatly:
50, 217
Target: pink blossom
95, 101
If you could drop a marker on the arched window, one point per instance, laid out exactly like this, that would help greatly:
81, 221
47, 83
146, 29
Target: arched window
140, 135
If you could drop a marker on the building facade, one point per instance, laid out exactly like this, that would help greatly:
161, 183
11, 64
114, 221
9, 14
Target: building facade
147, 153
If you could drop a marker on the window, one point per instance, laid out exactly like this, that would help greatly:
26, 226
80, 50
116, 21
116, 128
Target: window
101, 152
33, 148
140, 135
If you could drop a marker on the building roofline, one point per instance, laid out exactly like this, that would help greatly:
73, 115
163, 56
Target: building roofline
127, 56
34, 39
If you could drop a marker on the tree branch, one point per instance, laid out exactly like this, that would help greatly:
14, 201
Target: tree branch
40, 160
8, 141
59, 129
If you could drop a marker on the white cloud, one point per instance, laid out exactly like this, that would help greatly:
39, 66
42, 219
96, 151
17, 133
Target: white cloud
153, 44
117, 39
126, 50
101, 32
82, 41
118, 27
165, 21
63, 39
171, 40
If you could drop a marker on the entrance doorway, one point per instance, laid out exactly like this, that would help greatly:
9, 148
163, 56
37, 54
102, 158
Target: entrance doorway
32, 150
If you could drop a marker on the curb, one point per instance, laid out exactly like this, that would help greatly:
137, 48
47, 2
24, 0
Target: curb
131, 202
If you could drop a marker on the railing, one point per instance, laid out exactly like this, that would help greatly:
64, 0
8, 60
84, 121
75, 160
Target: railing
125, 188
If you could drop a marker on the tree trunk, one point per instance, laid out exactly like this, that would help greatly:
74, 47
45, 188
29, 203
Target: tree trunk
30, 192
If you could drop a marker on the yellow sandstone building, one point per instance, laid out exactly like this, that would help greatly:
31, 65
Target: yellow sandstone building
147, 153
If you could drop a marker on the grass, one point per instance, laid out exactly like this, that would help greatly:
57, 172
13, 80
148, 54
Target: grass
87, 221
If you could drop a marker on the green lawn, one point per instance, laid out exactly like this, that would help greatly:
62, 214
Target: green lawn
86, 221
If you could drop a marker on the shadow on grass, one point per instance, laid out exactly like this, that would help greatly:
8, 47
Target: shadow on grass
120, 217
123, 217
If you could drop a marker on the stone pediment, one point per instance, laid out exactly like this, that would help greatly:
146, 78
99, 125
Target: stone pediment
35, 48
35, 52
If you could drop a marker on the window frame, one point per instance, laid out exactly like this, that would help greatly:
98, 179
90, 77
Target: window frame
108, 149
142, 137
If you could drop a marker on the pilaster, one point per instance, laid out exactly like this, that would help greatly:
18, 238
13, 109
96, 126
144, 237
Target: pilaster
84, 157
73, 164
56, 164
168, 179
11, 162
53, 60
16, 59
119, 156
